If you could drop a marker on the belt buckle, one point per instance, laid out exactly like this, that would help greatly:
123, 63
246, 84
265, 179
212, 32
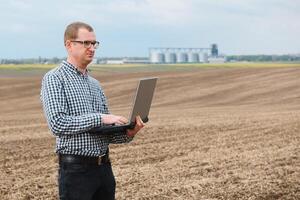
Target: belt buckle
100, 159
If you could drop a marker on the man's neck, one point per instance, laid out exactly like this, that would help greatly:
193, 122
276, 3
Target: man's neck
78, 66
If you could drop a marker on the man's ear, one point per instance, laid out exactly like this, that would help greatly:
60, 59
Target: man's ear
68, 44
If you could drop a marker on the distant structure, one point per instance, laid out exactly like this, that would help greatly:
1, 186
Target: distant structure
123, 60
184, 55
214, 50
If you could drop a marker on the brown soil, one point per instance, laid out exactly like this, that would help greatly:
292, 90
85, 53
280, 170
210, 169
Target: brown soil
212, 134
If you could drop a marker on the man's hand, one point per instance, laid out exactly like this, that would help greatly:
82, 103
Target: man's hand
139, 124
113, 119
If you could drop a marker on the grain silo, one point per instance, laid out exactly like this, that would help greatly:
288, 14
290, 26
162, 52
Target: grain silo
201, 56
205, 57
156, 57
170, 57
193, 57
182, 57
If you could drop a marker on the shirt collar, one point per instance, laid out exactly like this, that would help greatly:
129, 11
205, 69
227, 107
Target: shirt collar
73, 68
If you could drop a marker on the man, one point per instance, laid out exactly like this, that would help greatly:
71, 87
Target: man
74, 103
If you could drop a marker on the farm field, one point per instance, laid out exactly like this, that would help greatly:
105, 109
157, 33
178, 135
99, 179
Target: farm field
215, 132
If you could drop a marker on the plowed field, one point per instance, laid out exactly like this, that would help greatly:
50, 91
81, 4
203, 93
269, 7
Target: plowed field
222, 133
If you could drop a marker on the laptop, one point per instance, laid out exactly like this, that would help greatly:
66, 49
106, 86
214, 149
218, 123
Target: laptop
141, 106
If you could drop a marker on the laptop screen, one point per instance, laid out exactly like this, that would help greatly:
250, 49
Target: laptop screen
143, 99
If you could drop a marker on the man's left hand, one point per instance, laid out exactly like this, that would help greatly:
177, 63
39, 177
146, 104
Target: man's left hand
138, 126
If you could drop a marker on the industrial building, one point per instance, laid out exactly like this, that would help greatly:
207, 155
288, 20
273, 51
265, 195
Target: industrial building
183, 55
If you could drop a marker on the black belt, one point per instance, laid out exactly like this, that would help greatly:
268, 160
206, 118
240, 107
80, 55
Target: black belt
91, 160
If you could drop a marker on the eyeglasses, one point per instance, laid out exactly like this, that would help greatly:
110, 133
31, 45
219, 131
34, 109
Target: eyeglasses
87, 43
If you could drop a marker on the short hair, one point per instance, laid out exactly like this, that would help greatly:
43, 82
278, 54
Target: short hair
71, 31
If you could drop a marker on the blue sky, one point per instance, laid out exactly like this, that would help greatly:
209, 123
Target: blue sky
32, 28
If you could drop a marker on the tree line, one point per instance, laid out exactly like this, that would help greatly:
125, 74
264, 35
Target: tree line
263, 58
229, 58
56, 60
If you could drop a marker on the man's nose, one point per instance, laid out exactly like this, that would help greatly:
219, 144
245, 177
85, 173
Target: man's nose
92, 48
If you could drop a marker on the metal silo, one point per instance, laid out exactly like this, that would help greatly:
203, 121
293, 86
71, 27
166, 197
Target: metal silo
205, 57
201, 56
170, 57
182, 57
193, 57
156, 57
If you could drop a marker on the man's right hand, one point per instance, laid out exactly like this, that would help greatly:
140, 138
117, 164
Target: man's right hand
113, 119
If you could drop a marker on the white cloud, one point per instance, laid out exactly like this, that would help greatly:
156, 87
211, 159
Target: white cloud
269, 25
151, 12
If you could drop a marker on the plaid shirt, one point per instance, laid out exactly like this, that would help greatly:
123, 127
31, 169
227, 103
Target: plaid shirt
73, 103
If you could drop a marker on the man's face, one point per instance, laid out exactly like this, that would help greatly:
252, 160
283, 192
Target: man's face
79, 51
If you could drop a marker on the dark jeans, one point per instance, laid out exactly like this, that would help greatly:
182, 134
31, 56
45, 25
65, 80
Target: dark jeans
79, 181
